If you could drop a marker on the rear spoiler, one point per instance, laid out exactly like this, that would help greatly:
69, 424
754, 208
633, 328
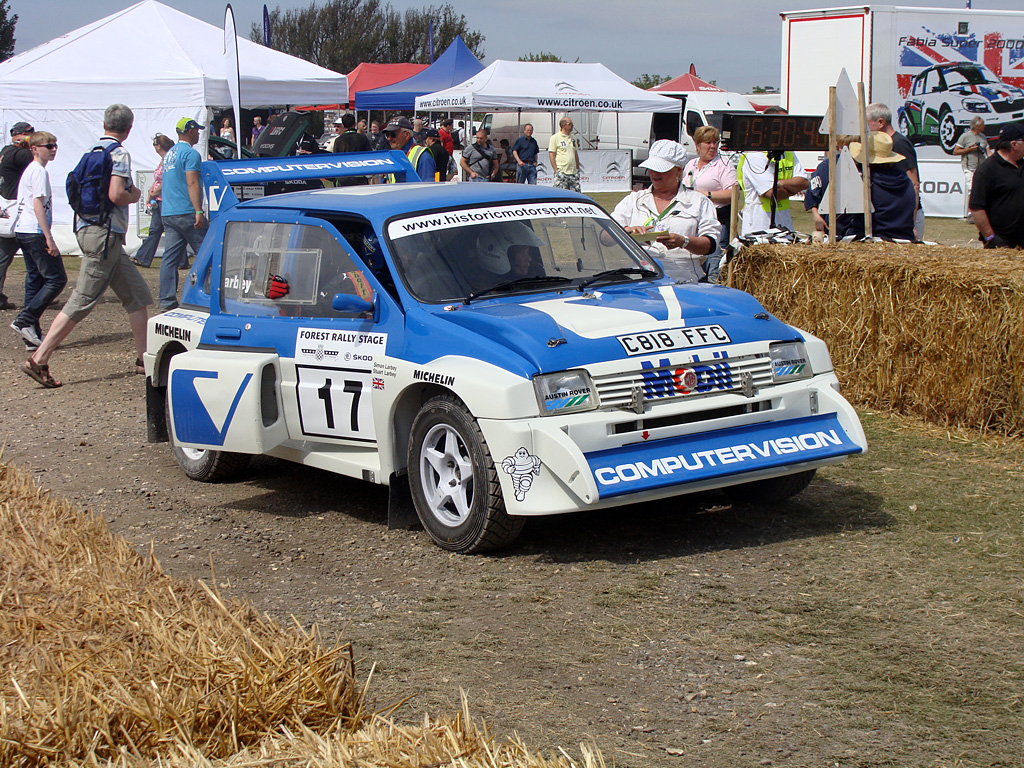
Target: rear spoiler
225, 182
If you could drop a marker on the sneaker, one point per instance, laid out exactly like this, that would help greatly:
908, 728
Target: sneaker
28, 333
6, 303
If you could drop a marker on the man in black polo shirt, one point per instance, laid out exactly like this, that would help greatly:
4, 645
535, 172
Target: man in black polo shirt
997, 196
14, 159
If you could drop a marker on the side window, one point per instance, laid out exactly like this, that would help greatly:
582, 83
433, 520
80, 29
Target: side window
308, 258
693, 122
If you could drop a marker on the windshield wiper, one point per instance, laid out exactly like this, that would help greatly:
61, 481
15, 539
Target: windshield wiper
610, 273
510, 284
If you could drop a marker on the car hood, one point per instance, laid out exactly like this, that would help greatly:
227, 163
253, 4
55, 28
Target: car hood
991, 91
552, 332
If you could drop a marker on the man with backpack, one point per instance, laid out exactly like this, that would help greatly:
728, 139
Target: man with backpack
182, 212
100, 190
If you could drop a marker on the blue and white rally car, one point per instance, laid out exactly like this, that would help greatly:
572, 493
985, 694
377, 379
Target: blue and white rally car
488, 351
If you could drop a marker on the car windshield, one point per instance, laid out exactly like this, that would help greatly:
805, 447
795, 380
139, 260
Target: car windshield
463, 254
968, 75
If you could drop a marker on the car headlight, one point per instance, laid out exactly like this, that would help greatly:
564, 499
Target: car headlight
789, 361
973, 105
565, 392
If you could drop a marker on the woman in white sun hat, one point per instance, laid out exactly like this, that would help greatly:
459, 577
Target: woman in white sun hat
685, 220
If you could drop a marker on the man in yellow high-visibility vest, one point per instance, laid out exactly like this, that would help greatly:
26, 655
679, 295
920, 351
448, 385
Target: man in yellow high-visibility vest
399, 134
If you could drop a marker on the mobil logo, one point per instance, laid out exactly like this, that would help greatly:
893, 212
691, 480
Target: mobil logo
667, 380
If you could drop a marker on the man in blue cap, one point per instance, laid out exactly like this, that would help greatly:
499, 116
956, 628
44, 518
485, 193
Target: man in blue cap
182, 212
400, 136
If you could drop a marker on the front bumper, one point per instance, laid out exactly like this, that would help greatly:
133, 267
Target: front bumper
587, 461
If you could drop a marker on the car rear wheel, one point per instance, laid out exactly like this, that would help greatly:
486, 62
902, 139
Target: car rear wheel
454, 482
948, 131
772, 490
205, 465
905, 126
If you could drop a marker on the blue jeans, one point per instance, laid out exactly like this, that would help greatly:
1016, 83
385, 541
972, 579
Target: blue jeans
8, 247
43, 282
526, 173
148, 248
181, 233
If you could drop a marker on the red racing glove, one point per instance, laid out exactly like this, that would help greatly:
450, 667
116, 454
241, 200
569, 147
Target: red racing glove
277, 287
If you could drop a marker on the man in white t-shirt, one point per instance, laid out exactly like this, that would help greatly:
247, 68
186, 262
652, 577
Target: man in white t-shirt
35, 201
757, 177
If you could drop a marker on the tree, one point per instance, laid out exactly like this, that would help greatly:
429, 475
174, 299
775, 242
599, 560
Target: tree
542, 56
764, 89
340, 34
7, 24
649, 81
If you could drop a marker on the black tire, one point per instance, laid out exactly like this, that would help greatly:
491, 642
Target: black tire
905, 126
772, 490
454, 482
205, 466
948, 130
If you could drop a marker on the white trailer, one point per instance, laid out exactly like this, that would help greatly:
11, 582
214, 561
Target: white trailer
936, 69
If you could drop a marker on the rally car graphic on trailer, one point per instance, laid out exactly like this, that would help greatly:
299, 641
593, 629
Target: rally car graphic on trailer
489, 352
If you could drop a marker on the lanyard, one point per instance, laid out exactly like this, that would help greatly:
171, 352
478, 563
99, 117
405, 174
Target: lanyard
654, 219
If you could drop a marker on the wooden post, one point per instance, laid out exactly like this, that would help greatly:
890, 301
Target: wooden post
832, 147
734, 227
866, 169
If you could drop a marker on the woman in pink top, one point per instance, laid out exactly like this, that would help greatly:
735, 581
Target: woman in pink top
714, 177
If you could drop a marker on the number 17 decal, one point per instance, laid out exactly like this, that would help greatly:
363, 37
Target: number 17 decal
331, 403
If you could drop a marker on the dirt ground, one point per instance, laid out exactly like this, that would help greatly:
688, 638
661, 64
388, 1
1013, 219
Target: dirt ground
688, 632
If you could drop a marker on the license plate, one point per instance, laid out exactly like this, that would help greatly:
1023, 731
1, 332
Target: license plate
673, 339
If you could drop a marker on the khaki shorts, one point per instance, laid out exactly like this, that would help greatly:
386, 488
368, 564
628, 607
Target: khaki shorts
100, 271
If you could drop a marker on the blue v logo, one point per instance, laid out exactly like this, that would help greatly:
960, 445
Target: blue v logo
199, 411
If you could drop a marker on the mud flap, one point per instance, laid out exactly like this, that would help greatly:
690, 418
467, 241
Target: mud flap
226, 401
401, 510
156, 418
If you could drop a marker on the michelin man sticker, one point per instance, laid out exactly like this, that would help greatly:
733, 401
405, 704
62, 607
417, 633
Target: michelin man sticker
522, 466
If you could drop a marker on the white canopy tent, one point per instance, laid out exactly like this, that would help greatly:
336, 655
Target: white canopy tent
535, 86
163, 64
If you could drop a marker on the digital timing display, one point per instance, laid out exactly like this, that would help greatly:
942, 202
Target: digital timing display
751, 131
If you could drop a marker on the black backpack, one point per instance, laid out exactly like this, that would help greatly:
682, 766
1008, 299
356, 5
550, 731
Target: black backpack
88, 185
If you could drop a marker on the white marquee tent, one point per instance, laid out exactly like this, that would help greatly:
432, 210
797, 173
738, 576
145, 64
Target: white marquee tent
163, 64
553, 86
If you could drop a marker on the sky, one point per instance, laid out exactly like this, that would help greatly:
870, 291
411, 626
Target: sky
737, 43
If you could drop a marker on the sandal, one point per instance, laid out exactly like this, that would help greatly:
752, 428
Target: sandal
40, 373
140, 369
137, 263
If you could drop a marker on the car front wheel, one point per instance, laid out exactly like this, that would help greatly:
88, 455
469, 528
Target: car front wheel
948, 131
203, 464
454, 482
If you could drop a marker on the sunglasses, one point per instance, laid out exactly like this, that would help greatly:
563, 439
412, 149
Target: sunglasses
48, 146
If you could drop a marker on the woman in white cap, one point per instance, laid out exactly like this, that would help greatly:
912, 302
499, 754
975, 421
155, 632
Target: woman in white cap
687, 227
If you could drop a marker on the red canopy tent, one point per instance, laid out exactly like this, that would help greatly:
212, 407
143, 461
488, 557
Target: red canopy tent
687, 82
368, 76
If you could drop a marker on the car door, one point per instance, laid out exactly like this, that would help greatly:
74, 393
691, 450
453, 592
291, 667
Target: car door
331, 330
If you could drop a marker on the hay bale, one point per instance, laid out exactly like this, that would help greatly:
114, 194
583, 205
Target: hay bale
107, 660
928, 331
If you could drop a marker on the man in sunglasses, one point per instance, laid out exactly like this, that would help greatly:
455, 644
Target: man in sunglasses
399, 134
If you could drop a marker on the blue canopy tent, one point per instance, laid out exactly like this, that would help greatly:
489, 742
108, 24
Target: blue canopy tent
452, 67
